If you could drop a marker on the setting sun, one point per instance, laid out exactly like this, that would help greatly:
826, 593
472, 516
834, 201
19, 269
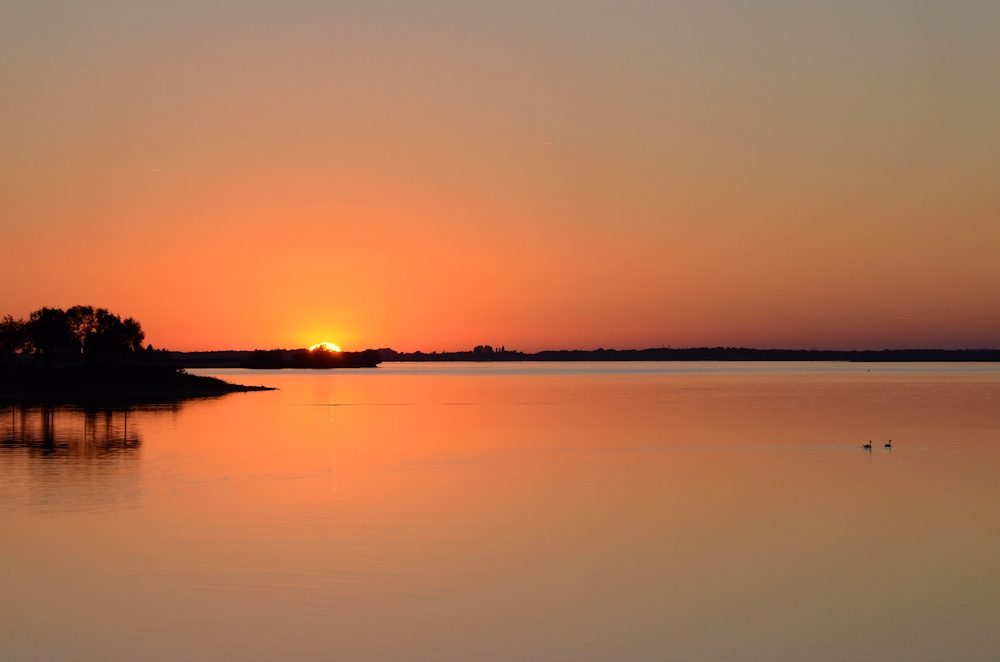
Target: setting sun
324, 347
672, 327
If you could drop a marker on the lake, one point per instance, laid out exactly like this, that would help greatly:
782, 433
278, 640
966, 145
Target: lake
591, 511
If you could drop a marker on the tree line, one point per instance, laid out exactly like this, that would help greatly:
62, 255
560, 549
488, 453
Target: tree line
81, 333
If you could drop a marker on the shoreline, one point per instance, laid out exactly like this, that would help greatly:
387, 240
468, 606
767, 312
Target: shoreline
284, 359
113, 384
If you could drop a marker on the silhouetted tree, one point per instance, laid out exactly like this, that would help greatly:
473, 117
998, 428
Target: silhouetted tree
96, 334
108, 336
12, 337
49, 334
83, 322
134, 335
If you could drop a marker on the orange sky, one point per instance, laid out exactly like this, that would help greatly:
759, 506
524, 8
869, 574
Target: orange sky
536, 175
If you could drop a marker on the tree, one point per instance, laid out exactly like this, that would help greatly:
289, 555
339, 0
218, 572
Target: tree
49, 334
12, 336
107, 335
96, 334
82, 322
134, 335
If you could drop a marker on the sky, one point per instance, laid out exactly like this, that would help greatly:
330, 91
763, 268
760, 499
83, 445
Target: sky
549, 174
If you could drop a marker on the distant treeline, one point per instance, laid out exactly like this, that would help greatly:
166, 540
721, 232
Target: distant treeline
488, 353
303, 358
277, 359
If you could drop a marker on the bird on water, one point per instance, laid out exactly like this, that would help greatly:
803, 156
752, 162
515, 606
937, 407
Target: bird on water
889, 445
868, 445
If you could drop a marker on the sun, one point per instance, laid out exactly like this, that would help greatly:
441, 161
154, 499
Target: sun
324, 347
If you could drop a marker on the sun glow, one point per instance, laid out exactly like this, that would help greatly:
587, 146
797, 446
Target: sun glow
324, 347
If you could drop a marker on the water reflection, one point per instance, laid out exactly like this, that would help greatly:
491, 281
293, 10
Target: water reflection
554, 516
64, 432
71, 458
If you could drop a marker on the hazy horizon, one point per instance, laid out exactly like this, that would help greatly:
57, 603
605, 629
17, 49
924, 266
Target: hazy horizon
584, 349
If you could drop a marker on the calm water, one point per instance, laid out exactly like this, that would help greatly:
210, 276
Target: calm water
514, 512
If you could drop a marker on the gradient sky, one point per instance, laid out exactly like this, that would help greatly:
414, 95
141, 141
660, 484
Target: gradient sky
436, 175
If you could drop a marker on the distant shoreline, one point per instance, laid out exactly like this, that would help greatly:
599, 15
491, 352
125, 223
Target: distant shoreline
276, 359
486, 354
